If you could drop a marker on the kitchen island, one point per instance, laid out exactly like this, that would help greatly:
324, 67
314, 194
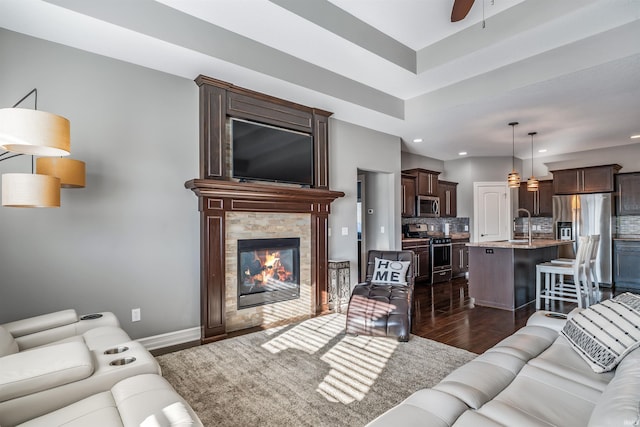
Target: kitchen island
503, 274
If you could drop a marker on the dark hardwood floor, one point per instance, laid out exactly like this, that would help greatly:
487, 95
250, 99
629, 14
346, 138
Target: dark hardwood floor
444, 312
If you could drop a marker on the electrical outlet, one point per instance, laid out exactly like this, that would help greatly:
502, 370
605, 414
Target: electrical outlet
135, 315
466, 228
345, 231
382, 229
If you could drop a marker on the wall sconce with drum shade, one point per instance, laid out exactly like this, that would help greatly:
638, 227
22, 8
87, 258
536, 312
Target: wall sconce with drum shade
532, 182
37, 133
513, 179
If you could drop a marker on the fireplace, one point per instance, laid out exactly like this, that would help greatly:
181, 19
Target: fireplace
268, 271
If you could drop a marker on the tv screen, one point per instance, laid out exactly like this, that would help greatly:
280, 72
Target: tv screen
268, 153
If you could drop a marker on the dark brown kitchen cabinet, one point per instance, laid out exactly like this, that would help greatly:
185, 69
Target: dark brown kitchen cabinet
459, 258
594, 179
408, 196
427, 181
420, 249
539, 203
448, 193
628, 193
626, 264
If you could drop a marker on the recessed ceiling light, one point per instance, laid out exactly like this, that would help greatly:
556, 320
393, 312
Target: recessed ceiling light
635, 136
417, 140
462, 153
542, 150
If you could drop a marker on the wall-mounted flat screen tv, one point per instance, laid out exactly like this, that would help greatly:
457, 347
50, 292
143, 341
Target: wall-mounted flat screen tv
268, 153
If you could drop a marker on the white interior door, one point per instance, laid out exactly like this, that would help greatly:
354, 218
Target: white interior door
492, 215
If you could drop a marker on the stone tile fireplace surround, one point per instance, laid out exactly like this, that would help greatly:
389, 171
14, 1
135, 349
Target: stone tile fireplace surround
267, 225
231, 210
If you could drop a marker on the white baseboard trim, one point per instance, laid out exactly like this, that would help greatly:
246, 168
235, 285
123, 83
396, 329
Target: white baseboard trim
170, 338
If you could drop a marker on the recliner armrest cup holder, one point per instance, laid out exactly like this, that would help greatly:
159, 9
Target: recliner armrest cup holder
91, 316
123, 361
556, 315
116, 350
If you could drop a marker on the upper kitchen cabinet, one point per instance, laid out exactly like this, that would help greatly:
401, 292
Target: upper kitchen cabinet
628, 189
448, 193
427, 181
594, 179
539, 203
408, 195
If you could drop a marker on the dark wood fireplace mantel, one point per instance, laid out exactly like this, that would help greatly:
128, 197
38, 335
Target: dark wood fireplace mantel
216, 198
218, 193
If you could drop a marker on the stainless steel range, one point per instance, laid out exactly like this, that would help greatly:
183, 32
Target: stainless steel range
439, 251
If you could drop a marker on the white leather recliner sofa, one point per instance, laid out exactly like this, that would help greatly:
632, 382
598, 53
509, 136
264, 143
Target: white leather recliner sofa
141, 401
66, 325
532, 378
51, 361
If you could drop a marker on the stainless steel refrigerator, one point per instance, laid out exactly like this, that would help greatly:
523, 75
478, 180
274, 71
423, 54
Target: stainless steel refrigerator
582, 215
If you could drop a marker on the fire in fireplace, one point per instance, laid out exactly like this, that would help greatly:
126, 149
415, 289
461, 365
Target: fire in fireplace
268, 271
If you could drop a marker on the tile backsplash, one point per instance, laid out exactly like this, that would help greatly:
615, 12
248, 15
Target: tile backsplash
542, 227
628, 225
456, 225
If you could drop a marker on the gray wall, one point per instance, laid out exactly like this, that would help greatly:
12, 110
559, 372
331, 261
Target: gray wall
352, 149
131, 237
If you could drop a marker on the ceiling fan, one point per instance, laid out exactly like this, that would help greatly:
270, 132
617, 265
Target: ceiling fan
460, 9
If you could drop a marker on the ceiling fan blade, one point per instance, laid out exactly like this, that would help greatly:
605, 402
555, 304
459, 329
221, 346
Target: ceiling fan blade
460, 9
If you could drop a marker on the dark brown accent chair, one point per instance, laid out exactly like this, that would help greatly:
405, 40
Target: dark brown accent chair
382, 309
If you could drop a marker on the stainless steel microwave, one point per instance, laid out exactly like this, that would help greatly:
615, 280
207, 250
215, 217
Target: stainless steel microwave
428, 206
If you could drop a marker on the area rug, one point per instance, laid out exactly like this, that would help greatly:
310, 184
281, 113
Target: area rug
305, 374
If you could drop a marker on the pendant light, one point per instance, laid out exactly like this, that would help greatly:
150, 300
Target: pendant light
513, 179
70, 171
30, 190
532, 182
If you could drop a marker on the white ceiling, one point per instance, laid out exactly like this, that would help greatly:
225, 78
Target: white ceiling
568, 69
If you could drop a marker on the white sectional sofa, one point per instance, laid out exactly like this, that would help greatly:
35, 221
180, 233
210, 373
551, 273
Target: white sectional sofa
57, 360
534, 377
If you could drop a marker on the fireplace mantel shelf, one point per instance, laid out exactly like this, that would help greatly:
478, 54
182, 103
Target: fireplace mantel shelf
256, 191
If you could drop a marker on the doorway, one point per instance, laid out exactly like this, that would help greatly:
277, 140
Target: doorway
491, 211
375, 214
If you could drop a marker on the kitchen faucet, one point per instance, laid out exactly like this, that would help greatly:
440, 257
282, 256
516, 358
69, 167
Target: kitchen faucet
529, 214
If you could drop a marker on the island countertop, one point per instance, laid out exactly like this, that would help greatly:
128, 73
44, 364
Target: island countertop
521, 244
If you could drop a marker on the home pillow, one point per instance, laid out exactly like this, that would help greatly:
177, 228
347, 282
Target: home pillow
390, 271
605, 333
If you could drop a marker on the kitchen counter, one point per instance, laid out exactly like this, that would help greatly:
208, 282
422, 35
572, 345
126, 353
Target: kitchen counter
415, 239
503, 274
535, 244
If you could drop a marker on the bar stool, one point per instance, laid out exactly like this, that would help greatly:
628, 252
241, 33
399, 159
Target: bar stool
594, 290
576, 292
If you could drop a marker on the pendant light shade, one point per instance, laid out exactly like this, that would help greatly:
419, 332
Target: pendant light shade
513, 179
70, 171
26, 190
34, 132
532, 182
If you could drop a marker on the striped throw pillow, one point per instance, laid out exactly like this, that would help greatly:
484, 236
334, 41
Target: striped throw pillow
605, 333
